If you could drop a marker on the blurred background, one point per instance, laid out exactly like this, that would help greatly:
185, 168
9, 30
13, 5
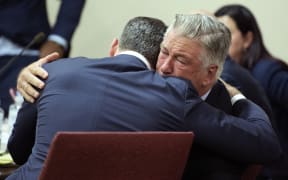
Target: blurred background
103, 20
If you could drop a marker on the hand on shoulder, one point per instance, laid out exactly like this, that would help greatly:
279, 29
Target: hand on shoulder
29, 77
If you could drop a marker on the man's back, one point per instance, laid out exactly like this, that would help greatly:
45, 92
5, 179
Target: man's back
111, 87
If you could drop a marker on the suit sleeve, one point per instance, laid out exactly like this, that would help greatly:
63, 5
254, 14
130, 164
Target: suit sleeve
247, 138
22, 138
68, 18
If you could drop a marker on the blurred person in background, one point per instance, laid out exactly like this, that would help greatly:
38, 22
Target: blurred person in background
21, 23
247, 49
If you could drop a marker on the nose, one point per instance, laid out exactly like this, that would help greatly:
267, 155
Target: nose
165, 66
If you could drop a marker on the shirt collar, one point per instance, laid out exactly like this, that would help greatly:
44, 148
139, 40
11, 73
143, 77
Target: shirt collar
204, 97
139, 56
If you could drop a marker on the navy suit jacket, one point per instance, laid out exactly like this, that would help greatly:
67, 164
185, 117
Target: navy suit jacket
273, 76
120, 94
204, 163
21, 20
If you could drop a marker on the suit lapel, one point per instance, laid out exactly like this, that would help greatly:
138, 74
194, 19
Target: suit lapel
219, 98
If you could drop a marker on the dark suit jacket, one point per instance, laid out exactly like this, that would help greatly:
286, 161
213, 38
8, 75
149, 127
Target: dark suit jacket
21, 20
273, 76
120, 94
204, 163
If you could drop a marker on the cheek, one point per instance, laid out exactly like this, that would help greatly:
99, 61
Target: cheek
160, 62
184, 72
198, 80
236, 46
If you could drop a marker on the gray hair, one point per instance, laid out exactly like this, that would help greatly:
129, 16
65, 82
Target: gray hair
212, 35
143, 35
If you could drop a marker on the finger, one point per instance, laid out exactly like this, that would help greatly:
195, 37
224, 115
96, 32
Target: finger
36, 67
222, 80
21, 87
31, 91
37, 71
28, 86
25, 88
28, 89
30, 77
26, 96
34, 80
49, 58
12, 93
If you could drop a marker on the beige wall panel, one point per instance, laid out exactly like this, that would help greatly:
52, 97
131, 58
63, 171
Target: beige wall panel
103, 20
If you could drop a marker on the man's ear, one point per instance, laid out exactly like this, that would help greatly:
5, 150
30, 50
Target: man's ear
211, 75
114, 47
248, 38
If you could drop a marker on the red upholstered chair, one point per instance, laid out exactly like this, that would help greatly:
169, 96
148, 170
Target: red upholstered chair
251, 172
117, 155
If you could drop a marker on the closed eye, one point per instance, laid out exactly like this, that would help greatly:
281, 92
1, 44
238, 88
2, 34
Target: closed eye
181, 60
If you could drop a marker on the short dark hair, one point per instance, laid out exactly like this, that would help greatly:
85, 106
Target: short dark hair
143, 35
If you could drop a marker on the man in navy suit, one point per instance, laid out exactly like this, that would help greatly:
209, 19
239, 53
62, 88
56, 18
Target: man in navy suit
20, 22
116, 84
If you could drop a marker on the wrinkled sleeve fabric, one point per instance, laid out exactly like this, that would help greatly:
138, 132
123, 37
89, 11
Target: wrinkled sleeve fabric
247, 138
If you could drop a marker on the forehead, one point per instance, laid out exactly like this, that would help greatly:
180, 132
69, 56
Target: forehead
179, 44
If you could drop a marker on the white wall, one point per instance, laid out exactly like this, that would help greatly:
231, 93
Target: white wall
103, 20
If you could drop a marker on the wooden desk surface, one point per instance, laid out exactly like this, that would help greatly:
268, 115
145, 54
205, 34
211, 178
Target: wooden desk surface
7, 170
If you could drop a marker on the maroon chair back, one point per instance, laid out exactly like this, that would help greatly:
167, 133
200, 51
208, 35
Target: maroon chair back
117, 155
251, 172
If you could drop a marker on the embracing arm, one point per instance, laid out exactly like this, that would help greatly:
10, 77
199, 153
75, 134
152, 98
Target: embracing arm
22, 138
247, 138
